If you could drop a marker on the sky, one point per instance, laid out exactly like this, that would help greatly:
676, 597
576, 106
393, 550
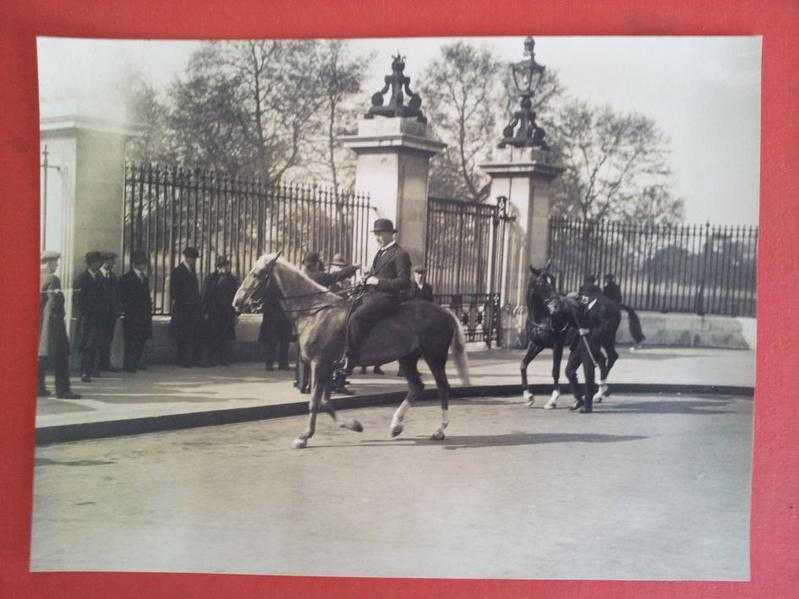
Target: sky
703, 92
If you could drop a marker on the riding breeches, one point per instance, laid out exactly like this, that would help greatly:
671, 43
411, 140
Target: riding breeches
375, 306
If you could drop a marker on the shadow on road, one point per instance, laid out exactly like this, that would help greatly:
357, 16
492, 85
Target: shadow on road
505, 440
698, 407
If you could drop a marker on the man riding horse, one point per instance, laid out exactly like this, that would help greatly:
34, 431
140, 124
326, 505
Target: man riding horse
387, 284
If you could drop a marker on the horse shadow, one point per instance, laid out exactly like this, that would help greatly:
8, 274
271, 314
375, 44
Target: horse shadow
502, 440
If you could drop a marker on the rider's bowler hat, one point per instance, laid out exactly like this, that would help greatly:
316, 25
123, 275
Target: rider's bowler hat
191, 252
383, 225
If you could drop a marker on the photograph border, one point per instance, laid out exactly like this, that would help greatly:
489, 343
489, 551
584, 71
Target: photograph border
775, 484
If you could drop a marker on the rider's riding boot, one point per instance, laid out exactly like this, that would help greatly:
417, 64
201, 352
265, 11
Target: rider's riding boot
588, 407
578, 403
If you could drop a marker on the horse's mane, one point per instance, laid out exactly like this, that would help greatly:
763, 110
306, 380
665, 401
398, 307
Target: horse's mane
296, 271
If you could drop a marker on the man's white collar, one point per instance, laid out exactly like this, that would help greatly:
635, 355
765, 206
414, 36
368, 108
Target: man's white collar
385, 247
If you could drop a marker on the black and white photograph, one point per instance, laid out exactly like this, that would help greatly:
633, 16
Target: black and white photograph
435, 307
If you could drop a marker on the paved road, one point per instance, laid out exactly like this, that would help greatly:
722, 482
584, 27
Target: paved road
646, 488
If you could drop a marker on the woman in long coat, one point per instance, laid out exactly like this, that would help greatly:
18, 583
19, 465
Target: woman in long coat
53, 339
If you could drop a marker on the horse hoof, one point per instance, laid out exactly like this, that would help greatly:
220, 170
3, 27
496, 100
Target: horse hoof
601, 393
438, 436
529, 398
553, 401
396, 430
299, 443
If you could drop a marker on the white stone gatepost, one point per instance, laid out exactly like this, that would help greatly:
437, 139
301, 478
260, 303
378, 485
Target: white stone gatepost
524, 176
83, 208
394, 167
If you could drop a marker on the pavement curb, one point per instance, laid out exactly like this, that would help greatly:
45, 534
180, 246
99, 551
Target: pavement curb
49, 435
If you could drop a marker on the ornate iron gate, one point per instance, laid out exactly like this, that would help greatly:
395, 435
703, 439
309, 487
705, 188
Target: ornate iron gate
465, 247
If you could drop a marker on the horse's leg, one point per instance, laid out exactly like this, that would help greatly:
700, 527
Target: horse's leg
327, 406
557, 356
609, 345
319, 376
533, 349
438, 368
415, 388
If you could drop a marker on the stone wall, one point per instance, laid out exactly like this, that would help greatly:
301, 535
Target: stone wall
674, 330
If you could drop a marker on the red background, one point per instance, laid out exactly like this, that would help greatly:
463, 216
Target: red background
774, 530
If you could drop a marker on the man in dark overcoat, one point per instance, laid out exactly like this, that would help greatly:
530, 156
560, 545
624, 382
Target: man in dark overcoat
111, 298
93, 314
421, 288
388, 283
275, 331
184, 295
611, 288
137, 309
219, 316
53, 339
591, 313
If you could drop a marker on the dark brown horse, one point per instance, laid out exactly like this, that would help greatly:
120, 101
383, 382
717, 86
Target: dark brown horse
419, 329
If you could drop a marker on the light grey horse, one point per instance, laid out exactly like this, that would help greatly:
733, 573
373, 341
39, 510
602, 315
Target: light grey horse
419, 329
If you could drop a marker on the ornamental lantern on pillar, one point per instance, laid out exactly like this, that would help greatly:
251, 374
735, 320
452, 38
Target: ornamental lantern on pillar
522, 131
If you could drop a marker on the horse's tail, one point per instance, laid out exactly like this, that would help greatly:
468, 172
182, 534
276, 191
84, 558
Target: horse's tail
458, 345
634, 323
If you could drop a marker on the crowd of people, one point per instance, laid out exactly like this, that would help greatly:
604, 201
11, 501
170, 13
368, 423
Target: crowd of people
202, 323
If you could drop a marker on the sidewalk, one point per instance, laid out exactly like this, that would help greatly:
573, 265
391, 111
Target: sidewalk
170, 391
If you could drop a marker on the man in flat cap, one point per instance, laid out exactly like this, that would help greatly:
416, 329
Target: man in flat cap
388, 283
184, 296
137, 309
93, 315
114, 309
219, 316
53, 340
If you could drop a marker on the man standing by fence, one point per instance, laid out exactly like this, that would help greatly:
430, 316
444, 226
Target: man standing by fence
219, 316
53, 340
111, 299
184, 294
134, 295
611, 289
93, 314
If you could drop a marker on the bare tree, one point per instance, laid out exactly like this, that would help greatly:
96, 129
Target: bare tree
470, 97
655, 206
610, 160
341, 79
461, 89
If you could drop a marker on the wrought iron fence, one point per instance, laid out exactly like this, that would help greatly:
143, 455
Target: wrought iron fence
168, 208
702, 269
464, 257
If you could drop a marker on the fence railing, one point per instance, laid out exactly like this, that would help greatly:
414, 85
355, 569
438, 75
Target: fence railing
478, 313
702, 269
168, 208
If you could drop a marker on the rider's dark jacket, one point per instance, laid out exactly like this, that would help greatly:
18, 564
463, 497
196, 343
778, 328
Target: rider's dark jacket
392, 268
